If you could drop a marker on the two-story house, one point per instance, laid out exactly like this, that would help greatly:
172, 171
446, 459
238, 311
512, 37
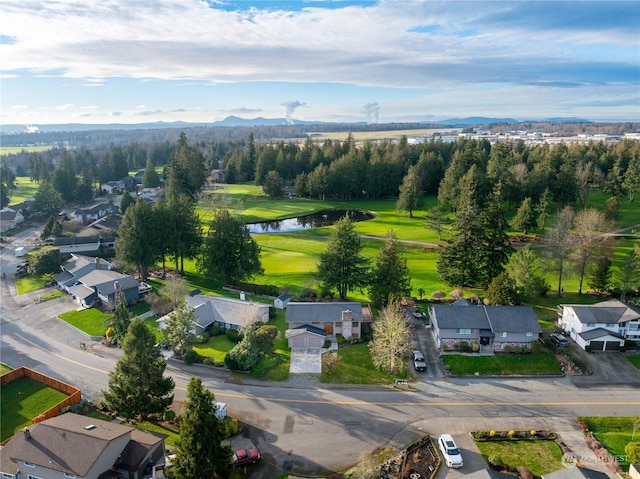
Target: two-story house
76, 267
71, 446
602, 326
105, 286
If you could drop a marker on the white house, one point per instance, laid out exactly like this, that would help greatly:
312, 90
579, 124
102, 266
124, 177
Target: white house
603, 326
10, 218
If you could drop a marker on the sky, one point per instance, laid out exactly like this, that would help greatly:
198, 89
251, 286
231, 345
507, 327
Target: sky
139, 61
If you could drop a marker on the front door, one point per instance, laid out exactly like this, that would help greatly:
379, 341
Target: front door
328, 328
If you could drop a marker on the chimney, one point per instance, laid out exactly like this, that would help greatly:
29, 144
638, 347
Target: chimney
27, 433
347, 315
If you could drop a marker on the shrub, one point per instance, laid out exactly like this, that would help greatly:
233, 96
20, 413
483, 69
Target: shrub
438, 294
215, 331
495, 460
233, 335
209, 361
232, 427
190, 357
201, 338
456, 293
511, 433
326, 344
492, 432
532, 432
340, 339
231, 363
169, 415
587, 348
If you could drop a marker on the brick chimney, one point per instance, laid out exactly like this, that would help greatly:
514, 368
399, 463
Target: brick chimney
347, 315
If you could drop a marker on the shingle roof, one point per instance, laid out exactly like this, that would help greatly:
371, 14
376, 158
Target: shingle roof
453, 317
104, 281
81, 291
598, 333
63, 444
71, 240
228, 310
322, 312
311, 329
137, 450
516, 319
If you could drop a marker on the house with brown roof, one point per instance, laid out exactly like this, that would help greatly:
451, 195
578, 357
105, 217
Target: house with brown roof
71, 446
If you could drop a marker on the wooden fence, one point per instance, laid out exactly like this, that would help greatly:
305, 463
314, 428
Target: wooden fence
74, 395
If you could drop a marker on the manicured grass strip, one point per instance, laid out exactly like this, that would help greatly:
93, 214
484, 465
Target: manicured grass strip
614, 432
22, 400
172, 433
31, 283
91, 321
355, 367
543, 362
55, 294
140, 308
540, 457
4, 369
635, 360
216, 348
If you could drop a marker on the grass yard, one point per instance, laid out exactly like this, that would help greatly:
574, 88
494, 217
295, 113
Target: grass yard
31, 283
614, 432
25, 188
22, 400
542, 362
4, 369
540, 457
355, 367
92, 321
172, 433
635, 360
216, 348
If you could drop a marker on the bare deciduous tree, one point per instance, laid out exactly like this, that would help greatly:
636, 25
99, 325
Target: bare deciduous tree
589, 241
175, 288
392, 339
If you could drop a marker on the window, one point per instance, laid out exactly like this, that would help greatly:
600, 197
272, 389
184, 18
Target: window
590, 325
529, 334
503, 334
29, 476
70, 476
28, 464
611, 325
634, 326
8, 476
464, 331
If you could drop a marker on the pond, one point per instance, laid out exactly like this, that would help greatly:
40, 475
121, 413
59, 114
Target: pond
316, 220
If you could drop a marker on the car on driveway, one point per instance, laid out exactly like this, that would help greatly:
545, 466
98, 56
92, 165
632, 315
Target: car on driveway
242, 457
419, 364
558, 339
450, 451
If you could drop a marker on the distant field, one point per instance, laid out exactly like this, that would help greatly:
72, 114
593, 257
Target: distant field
25, 188
11, 150
380, 135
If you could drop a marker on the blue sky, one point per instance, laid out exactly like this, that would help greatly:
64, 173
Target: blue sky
133, 61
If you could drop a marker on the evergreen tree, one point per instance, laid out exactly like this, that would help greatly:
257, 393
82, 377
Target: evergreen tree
600, 277
494, 241
126, 200
342, 265
543, 208
524, 271
178, 330
631, 182
273, 185
435, 219
199, 451
182, 229
525, 218
410, 197
612, 209
47, 200
185, 172
501, 291
137, 237
150, 179
137, 387
118, 324
390, 279
229, 253
628, 276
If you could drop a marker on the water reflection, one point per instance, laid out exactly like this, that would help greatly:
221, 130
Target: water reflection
316, 220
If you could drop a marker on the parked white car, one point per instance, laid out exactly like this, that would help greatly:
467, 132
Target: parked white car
450, 451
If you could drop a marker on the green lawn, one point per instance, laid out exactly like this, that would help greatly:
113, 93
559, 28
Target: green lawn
4, 369
22, 400
635, 360
172, 433
92, 321
25, 188
31, 283
355, 367
614, 432
216, 348
540, 457
543, 362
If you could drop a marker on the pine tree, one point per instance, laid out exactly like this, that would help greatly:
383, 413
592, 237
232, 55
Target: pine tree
137, 387
118, 324
600, 277
543, 208
525, 218
150, 179
390, 279
501, 291
342, 265
126, 200
199, 451
524, 271
495, 245
410, 197
138, 237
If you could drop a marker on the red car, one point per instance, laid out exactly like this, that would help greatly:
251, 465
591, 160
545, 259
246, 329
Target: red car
245, 456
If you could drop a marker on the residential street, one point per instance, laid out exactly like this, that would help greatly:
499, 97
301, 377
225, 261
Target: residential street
308, 427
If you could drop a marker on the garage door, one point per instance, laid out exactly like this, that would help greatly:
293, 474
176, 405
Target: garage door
597, 345
612, 346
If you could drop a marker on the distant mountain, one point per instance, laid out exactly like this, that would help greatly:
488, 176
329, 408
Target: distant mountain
260, 121
474, 120
569, 119
35, 128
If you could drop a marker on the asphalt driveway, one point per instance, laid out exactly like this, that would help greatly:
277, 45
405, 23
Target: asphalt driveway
608, 368
426, 343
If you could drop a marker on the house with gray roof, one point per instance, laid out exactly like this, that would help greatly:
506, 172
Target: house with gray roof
104, 286
10, 218
75, 446
76, 267
486, 329
603, 326
348, 318
227, 313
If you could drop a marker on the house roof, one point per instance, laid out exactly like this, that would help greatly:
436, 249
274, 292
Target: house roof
8, 215
516, 319
309, 329
453, 317
71, 240
598, 333
78, 261
63, 277
283, 297
322, 312
104, 281
141, 443
228, 310
63, 443
461, 302
611, 311
204, 314
81, 291
575, 472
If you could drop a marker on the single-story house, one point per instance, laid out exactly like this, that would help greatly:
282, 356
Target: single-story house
348, 318
462, 326
104, 286
84, 244
10, 218
77, 447
602, 326
227, 313
76, 267
281, 301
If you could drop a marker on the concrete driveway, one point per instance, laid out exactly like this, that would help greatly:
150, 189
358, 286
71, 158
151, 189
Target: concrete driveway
426, 343
305, 361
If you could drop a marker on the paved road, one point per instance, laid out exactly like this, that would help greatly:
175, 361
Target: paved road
305, 427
